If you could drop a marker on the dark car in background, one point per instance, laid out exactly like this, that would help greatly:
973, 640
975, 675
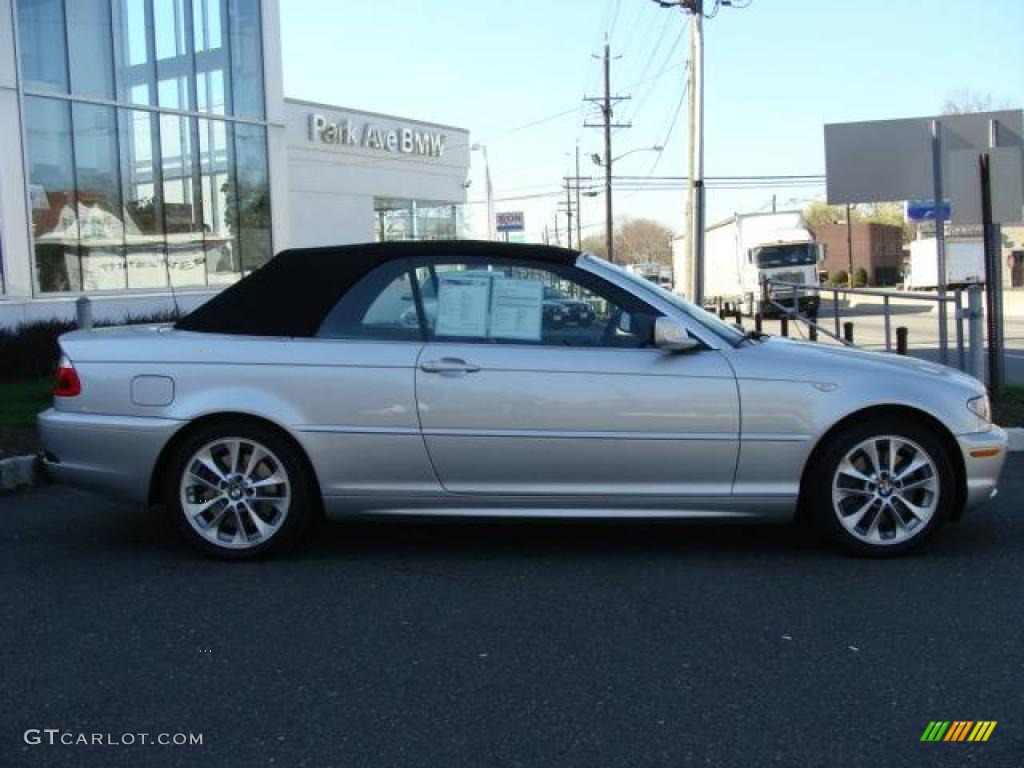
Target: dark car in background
572, 311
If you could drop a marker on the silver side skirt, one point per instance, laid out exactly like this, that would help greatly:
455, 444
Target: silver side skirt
740, 509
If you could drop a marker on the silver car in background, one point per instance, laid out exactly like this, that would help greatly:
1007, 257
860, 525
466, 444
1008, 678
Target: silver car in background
305, 388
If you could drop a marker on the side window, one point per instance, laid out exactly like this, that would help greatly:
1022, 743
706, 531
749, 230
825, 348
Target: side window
513, 302
380, 306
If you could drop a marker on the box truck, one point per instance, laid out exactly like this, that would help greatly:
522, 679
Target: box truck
743, 251
965, 263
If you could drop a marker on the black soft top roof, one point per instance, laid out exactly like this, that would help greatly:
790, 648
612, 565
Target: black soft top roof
291, 293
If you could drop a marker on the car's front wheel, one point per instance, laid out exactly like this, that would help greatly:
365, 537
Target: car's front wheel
237, 490
882, 487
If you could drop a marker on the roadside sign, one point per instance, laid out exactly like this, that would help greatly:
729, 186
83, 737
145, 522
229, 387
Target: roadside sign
510, 221
1007, 185
892, 159
924, 210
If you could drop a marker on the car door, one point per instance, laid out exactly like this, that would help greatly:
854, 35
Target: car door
356, 390
515, 398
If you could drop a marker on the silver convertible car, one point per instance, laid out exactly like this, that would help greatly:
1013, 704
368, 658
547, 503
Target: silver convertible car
304, 389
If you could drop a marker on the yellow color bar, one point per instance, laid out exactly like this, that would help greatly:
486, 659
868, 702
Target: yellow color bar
984, 453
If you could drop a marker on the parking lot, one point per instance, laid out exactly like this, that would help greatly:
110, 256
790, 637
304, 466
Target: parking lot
922, 324
429, 643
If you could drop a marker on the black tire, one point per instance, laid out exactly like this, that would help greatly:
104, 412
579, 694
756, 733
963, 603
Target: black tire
297, 512
818, 507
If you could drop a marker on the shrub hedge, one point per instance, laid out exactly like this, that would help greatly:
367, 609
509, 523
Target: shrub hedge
30, 351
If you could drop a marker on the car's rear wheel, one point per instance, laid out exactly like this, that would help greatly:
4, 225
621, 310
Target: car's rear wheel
882, 487
238, 490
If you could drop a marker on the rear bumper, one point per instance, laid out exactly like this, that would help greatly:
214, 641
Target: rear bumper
984, 454
114, 455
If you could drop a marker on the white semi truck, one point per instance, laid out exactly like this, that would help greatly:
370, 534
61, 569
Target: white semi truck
965, 263
746, 249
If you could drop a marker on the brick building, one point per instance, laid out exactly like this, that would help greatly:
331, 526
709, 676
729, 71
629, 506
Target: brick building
878, 248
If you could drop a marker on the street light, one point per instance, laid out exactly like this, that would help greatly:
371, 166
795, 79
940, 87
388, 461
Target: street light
598, 161
490, 189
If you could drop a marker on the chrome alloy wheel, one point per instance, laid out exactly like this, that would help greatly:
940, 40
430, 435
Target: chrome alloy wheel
885, 490
235, 493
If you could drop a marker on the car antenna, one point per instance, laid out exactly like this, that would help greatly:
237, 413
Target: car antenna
170, 284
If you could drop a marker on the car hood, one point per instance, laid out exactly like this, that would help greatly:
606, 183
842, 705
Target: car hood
781, 358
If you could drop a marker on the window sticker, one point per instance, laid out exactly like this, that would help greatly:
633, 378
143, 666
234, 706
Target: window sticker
462, 306
516, 309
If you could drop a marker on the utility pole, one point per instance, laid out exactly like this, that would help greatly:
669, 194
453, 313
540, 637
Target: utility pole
696, 198
558, 239
490, 189
579, 210
568, 212
606, 103
849, 246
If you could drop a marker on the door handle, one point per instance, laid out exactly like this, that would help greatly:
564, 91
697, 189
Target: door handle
448, 365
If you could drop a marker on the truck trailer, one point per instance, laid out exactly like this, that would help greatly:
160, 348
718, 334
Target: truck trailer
965, 263
747, 249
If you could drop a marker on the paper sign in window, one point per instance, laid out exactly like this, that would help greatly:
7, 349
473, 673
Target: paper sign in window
516, 309
462, 304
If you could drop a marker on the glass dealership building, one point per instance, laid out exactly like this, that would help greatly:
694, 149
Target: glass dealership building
147, 147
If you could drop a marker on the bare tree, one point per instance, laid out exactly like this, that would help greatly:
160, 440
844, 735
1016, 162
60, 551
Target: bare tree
822, 213
965, 100
637, 241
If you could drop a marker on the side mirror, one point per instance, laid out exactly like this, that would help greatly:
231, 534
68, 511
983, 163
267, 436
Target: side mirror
672, 336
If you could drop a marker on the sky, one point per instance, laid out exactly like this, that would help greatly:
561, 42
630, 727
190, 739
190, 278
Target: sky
515, 74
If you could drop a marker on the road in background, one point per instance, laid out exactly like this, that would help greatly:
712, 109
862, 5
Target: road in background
920, 319
428, 644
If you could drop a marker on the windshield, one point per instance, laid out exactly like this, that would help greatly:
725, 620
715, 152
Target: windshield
730, 333
786, 255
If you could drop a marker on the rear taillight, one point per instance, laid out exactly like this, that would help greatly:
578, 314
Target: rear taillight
66, 383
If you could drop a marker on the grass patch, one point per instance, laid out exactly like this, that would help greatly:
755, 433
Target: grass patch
20, 401
1008, 407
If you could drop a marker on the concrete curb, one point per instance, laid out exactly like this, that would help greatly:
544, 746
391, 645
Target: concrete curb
19, 471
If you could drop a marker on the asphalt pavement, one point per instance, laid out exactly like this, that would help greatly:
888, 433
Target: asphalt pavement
922, 325
507, 644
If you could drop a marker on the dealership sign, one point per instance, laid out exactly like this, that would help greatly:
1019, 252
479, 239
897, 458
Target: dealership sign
407, 141
512, 221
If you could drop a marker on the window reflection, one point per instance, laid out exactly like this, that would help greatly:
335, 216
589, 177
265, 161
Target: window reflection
124, 198
211, 56
90, 53
220, 225
183, 222
52, 192
173, 55
44, 64
100, 211
399, 219
246, 57
143, 209
133, 51
252, 195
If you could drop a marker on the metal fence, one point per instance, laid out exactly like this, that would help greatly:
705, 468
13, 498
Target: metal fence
966, 304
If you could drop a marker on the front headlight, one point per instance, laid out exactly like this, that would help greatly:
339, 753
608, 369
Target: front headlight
981, 408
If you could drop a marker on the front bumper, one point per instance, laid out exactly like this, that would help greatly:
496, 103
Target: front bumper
984, 454
115, 455
807, 304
